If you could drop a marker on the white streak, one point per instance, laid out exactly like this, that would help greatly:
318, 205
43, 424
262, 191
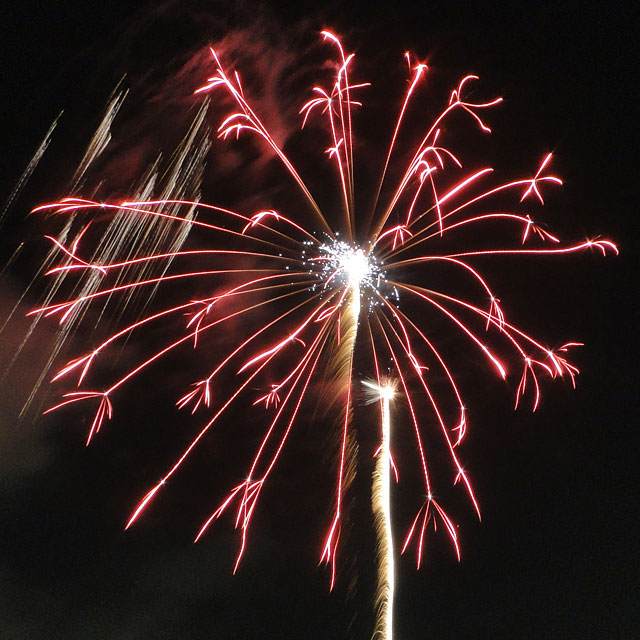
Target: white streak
381, 502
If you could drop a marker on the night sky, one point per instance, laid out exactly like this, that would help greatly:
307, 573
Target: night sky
556, 554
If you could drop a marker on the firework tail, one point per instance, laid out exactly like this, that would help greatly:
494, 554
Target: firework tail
343, 361
381, 506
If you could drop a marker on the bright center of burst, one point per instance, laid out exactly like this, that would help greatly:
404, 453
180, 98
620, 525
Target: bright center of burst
341, 264
350, 264
355, 265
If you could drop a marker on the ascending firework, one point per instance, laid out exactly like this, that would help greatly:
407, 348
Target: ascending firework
382, 512
295, 293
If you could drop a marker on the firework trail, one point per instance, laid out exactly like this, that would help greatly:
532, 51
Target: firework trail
316, 279
124, 235
381, 501
28, 172
348, 329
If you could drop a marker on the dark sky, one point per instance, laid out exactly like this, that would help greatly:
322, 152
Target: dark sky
556, 554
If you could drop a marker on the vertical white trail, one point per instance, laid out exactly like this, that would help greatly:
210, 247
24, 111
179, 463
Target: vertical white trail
381, 502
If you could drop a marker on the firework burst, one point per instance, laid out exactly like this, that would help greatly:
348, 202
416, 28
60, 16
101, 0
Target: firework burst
325, 286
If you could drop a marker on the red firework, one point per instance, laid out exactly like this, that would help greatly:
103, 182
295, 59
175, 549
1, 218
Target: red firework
315, 282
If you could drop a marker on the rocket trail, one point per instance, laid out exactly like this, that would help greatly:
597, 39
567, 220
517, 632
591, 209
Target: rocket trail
381, 502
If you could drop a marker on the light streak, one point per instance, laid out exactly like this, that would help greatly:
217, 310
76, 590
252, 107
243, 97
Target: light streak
381, 501
302, 291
